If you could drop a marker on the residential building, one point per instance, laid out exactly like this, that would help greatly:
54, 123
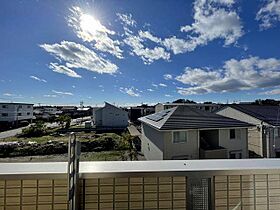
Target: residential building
46, 112
12, 114
264, 137
205, 107
185, 132
110, 116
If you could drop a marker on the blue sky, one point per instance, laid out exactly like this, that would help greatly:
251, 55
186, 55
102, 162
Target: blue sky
129, 52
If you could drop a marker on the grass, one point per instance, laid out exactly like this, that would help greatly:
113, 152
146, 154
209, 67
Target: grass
85, 156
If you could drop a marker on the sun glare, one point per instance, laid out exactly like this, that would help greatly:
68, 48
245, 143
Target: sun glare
89, 24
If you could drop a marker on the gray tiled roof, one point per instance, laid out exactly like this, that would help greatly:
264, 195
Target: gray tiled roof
268, 114
182, 117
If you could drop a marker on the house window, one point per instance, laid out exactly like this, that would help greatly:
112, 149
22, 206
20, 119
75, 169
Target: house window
232, 133
235, 155
28, 113
19, 114
179, 136
276, 132
28, 107
4, 106
20, 106
4, 114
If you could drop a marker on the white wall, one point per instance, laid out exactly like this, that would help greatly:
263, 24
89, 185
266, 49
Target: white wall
111, 116
239, 143
189, 148
152, 143
13, 110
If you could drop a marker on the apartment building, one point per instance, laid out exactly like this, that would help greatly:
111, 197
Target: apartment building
12, 114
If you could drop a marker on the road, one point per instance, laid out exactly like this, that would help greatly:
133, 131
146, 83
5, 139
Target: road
17, 131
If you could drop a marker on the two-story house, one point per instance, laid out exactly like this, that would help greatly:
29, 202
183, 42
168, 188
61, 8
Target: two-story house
186, 132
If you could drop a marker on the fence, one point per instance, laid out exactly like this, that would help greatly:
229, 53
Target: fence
177, 184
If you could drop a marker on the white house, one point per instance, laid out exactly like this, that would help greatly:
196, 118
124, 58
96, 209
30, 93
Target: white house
185, 132
110, 116
14, 113
264, 137
205, 107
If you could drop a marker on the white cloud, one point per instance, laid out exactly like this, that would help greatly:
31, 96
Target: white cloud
50, 96
126, 19
91, 30
213, 19
13, 95
130, 91
167, 95
149, 36
62, 93
162, 85
78, 56
271, 92
150, 90
148, 55
63, 70
167, 77
155, 85
37, 78
269, 14
138, 42
246, 74
8, 94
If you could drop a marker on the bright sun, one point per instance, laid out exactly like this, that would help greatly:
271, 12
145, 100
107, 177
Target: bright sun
89, 24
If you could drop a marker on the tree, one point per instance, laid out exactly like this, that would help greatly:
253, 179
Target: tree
35, 130
184, 101
267, 102
64, 121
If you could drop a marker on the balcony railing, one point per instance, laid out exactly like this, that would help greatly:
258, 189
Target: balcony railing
178, 185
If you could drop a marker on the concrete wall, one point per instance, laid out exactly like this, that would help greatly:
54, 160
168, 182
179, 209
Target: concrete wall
239, 143
152, 143
189, 150
25, 111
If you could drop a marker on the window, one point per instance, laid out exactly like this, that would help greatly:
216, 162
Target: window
179, 136
276, 132
235, 155
19, 114
232, 133
28, 113
4, 106
4, 114
28, 106
19, 106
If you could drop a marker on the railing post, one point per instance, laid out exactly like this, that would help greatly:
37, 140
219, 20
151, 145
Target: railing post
74, 150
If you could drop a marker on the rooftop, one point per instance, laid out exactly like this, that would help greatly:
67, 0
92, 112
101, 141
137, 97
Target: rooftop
268, 114
186, 117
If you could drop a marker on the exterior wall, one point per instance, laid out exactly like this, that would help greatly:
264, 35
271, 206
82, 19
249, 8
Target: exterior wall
235, 114
255, 140
13, 111
189, 150
111, 116
152, 143
240, 143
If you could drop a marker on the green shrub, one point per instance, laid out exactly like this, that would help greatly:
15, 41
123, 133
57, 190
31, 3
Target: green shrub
35, 130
